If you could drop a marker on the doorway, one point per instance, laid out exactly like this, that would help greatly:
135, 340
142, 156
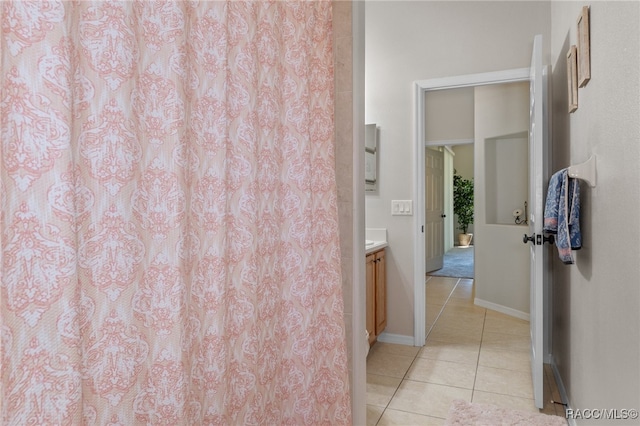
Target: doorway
421, 88
457, 260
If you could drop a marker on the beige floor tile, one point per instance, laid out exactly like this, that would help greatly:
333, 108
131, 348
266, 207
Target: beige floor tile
505, 342
444, 333
508, 325
463, 294
509, 360
427, 398
467, 347
432, 314
468, 308
505, 382
436, 300
434, 309
443, 291
373, 414
491, 312
440, 283
470, 322
393, 348
470, 312
466, 353
428, 328
465, 282
464, 290
402, 418
463, 302
506, 401
442, 373
380, 389
447, 282
388, 364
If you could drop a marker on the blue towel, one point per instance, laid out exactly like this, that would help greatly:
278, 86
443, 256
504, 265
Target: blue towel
562, 214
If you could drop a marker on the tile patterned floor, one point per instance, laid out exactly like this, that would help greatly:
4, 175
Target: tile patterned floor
471, 353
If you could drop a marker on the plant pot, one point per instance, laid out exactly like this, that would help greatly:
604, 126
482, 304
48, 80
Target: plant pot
464, 240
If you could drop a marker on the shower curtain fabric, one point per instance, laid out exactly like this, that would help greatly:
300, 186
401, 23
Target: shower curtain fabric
169, 228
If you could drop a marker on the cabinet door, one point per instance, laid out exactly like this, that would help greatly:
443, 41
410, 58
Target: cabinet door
381, 292
371, 297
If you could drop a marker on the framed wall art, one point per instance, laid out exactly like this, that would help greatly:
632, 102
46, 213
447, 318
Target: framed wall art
572, 78
584, 49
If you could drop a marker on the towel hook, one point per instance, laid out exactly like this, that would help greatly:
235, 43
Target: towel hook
585, 171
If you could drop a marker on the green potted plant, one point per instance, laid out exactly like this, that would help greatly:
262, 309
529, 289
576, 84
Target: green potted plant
463, 207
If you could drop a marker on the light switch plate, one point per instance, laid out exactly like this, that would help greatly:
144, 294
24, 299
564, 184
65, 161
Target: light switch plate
401, 207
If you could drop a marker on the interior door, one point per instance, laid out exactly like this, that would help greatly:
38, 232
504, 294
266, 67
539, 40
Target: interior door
538, 140
434, 209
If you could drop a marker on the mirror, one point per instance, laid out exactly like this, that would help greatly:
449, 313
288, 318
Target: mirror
370, 156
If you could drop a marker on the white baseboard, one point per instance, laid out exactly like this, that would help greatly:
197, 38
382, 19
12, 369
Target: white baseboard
561, 389
398, 339
502, 309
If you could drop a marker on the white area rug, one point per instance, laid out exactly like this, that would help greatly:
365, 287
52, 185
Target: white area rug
463, 413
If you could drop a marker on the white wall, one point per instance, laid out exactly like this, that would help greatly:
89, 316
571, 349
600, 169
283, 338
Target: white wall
409, 41
449, 120
463, 161
596, 336
507, 177
449, 114
463, 165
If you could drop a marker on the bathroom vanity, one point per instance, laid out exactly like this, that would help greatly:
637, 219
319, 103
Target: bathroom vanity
376, 283
376, 294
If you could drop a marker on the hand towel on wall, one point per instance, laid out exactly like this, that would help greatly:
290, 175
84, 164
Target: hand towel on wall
562, 214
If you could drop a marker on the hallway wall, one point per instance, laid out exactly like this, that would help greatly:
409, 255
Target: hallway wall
596, 336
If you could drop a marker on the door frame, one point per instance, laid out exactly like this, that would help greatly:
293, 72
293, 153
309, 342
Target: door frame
421, 87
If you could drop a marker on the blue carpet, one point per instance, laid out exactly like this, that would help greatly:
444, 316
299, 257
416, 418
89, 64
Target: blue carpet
458, 263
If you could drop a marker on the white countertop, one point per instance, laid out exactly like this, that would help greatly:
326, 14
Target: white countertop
376, 239
375, 246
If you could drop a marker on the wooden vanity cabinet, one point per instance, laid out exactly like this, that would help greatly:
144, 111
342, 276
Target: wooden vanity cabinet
376, 294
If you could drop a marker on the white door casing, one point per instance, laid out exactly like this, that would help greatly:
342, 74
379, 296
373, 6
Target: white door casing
434, 209
419, 218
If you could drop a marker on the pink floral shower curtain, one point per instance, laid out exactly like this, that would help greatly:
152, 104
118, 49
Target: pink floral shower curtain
169, 237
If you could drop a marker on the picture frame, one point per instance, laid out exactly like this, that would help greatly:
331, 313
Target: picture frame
572, 78
584, 48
